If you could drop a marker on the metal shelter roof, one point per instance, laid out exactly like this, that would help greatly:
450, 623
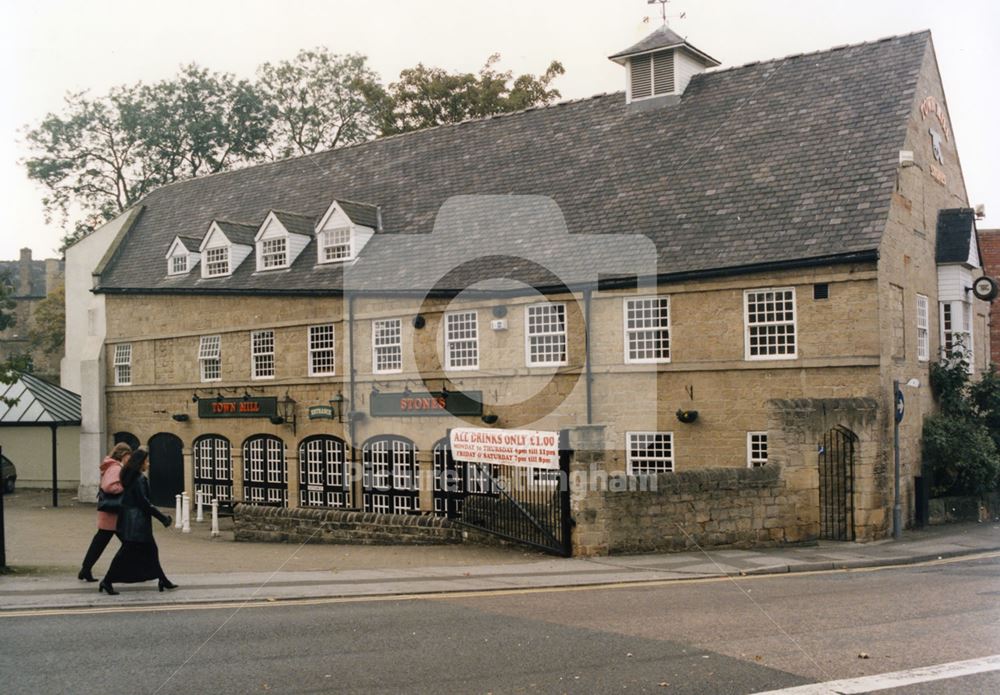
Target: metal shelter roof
37, 403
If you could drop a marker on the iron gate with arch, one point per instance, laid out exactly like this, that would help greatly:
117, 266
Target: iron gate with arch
836, 485
213, 467
390, 475
265, 471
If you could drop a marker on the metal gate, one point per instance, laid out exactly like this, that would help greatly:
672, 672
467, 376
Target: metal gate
524, 505
390, 476
265, 471
836, 485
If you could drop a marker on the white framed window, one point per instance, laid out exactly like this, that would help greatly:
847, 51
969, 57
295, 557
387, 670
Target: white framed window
322, 350
335, 245
923, 329
273, 253
461, 340
217, 261
956, 329
262, 354
648, 453
179, 264
756, 449
545, 335
647, 330
387, 346
123, 364
210, 357
769, 324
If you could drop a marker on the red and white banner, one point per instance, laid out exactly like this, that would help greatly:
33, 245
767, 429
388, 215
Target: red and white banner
529, 448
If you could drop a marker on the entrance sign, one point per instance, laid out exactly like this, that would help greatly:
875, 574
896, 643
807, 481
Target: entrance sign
321, 412
423, 404
527, 448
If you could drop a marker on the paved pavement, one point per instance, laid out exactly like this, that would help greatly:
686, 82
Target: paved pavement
44, 547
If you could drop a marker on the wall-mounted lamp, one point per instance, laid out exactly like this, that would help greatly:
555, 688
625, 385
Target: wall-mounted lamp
194, 398
218, 397
686, 416
181, 417
337, 403
419, 322
287, 415
490, 418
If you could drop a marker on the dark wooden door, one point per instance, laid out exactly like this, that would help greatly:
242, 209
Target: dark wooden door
166, 469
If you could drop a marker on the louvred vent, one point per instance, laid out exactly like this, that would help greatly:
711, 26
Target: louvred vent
642, 77
663, 73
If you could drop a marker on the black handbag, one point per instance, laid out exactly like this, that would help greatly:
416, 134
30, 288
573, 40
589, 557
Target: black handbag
109, 503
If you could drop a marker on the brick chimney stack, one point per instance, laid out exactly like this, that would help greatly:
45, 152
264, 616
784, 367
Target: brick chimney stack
24, 273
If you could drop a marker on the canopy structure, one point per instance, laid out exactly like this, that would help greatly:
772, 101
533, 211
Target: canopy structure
31, 402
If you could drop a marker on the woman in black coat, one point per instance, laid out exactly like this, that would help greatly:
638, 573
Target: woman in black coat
138, 560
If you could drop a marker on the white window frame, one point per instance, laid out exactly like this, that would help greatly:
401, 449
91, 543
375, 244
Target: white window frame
174, 270
632, 460
747, 325
269, 258
324, 244
458, 343
259, 357
208, 262
322, 340
923, 329
123, 364
528, 335
630, 332
376, 347
959, 320
754, 460
210, 352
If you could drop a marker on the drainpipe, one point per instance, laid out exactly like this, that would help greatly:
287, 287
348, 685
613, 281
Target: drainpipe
586, 348
351, 376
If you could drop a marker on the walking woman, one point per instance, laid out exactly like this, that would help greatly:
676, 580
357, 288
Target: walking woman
138, 560
107, 521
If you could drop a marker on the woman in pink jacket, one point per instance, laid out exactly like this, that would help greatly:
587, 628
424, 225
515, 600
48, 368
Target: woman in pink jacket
111, 484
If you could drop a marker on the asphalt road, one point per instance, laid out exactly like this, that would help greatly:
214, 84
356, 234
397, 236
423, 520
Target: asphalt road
725, 636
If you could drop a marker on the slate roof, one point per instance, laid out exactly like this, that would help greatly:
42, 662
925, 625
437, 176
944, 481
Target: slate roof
296, 224
956, 229
775, 162
38, 402
360, 213
237, 232
191, 243
664, 37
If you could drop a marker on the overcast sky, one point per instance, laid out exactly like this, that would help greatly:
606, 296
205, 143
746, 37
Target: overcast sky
50, 47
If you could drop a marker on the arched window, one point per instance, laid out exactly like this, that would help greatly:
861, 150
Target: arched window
213, 467
323, 478
265, 470
391, 477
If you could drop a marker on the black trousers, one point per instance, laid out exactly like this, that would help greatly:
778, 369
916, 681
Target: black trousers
97, 546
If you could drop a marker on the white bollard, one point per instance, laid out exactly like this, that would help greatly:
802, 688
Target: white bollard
177, 514
186, 513
199, 515
215, 518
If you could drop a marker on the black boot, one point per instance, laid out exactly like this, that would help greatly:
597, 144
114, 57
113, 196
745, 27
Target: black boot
106, 587
167, 584
86, 575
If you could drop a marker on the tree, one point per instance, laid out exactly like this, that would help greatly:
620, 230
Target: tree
7, 319
48, 322
320, 100
427, 96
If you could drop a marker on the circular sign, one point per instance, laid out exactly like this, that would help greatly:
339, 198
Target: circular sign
900, 406
985, 288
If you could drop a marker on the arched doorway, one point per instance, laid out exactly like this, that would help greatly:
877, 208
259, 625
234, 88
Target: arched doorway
127, 438
836, 485
391, 478
213, 467
265, 471
166, 469
449, 483
323, 479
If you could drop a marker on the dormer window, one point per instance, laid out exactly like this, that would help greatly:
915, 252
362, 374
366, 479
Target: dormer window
335, 244
183, 255
273, 253
179, 264
217, 262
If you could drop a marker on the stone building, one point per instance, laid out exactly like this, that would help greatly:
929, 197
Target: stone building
29, 282
714, 272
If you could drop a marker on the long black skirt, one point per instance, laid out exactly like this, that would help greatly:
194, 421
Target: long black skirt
135, 562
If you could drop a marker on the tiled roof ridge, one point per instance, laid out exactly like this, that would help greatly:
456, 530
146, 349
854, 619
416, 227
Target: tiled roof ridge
832, 49
249, 225
293, 214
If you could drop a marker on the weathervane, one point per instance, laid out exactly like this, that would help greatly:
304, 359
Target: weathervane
663, 10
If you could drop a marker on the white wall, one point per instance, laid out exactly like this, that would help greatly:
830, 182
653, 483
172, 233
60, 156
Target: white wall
30, 448
82, 367
952, 281
685, 67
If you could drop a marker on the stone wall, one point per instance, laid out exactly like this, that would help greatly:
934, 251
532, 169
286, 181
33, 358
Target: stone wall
274, 524
725, 507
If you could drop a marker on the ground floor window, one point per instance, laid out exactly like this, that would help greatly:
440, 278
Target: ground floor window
213, 467
648, 453
323, 477
265, 471
391, 476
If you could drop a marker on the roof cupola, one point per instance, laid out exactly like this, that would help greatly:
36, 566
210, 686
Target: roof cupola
661, 65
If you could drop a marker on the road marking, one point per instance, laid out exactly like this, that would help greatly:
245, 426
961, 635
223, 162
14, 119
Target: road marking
896, 679
265, 602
